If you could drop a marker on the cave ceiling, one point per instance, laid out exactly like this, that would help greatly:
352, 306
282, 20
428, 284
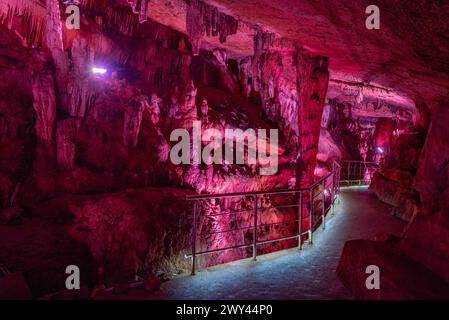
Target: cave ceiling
407, 60
408, 56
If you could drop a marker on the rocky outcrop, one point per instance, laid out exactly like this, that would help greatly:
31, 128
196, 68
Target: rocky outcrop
431, 179
93, 232
393, 184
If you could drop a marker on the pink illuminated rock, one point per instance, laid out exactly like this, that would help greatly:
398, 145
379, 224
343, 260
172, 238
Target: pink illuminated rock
45, 106
400, 277
133, 119
53, 26
88, 153
152, 283
203, 19
65, 143
313, 77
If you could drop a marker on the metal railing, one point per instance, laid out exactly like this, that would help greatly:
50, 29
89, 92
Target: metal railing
308, 207
355, 172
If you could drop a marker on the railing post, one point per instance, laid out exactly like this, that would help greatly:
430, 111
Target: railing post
349, 172
311, 217
332, 192
338, 184
255, 230
195, 208
360, 181
300, 221
323, 213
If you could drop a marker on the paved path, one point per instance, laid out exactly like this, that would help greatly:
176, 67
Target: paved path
290, 274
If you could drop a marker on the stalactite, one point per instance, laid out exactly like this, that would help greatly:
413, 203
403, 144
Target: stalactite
113, 19
203, 19
140, 7
33, 17
45, 106
120, 21
262, 42
270, 76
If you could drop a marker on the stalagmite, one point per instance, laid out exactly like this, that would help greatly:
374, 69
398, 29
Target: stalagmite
45, 106
77, 89
313, 78
187, 112
155, 111
65, 142
133, 120
204, 107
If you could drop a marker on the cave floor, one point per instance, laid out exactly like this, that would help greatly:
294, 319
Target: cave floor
289, 274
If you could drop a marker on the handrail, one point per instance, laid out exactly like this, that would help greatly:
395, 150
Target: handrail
252, 193
357, 172
304, 198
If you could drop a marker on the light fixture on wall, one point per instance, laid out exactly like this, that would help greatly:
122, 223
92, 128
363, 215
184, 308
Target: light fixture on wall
99, 71
70, 2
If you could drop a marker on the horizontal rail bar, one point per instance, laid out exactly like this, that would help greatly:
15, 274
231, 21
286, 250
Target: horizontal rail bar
202, 253
243, 194
249, 227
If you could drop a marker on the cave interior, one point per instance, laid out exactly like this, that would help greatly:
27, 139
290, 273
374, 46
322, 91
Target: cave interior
87, 114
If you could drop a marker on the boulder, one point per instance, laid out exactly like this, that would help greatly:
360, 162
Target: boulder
394, 187
152, 283
11, 216
13, 286
427, 242
432, 177
121, 287
400, 277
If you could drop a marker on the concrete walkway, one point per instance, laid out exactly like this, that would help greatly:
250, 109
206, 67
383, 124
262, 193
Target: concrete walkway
290, 274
